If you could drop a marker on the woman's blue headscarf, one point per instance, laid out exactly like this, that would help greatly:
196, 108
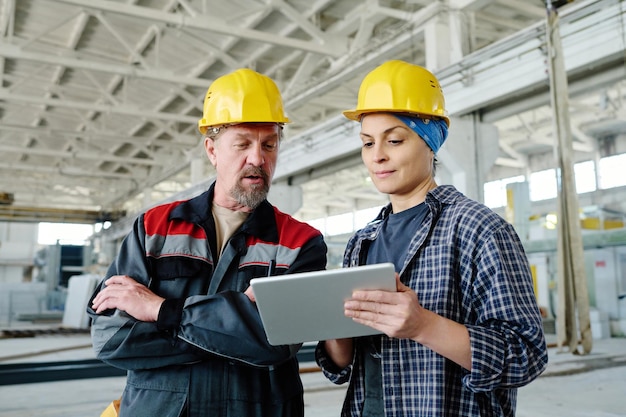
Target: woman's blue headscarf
433, 131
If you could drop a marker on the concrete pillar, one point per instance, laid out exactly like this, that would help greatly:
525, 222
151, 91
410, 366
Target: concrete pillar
446, 39
437, 43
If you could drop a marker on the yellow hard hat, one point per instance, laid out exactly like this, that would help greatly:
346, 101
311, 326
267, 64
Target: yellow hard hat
243, 96
399, 87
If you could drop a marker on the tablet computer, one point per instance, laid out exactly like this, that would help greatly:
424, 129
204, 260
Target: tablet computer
308, 306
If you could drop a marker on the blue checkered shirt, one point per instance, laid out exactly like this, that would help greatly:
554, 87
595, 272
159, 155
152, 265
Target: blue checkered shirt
467, 264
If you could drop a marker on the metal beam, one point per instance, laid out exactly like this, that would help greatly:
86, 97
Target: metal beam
181, 141
507, 68
209, 24
5, 94
516, 64
11, 51
78, 155
385, 50
525, 7
14, 166
304, 23
28, 373
56, 215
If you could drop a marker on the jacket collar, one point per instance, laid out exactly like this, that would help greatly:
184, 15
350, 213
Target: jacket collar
435, 199
261, 222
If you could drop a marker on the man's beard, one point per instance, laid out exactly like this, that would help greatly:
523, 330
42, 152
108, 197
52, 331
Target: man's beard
256, 194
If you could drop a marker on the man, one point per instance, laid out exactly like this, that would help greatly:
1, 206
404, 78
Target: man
463, 330
175, 308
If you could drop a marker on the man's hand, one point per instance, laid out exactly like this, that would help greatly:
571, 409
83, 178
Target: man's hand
124, 293
250, 294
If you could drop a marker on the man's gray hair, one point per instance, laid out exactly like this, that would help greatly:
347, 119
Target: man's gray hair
214, 131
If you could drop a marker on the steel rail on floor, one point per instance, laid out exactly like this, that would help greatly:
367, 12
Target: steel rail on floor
33, 372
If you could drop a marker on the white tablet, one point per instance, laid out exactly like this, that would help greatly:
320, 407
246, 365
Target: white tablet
308, 306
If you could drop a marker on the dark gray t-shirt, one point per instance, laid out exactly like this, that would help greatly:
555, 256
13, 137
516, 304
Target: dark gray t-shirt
396, 232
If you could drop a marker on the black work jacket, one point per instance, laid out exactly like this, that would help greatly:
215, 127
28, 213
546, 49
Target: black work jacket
207, 354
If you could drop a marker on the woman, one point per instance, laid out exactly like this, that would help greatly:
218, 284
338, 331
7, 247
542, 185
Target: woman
463, 331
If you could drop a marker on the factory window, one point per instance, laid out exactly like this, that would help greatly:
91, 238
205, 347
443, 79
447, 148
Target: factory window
333, 225
495, 191
611, 170
339, 224
542, 185
346, 223
318, 224
585, 173
64, 233
363, 217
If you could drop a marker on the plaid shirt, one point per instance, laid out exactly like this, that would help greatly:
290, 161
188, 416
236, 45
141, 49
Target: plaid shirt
467, 264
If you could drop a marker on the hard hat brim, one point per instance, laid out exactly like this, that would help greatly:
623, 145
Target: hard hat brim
357, 114
203, 126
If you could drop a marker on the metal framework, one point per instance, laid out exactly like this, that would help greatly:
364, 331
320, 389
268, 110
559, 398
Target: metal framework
99, 99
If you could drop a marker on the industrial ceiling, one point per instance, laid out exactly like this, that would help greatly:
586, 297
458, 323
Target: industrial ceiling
99, 99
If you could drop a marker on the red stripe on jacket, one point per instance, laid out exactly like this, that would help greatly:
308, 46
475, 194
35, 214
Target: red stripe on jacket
292, 233
156, 222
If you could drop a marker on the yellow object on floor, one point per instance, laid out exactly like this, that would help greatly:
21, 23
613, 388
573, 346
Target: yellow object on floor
112, 410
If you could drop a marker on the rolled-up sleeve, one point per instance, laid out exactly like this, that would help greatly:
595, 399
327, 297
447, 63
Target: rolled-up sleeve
507, 340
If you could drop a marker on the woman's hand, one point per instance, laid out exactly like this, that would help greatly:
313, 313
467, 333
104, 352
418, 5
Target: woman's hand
397, 314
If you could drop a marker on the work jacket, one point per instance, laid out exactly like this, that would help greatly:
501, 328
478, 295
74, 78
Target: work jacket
207, 354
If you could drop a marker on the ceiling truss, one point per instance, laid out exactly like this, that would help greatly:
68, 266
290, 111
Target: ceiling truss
99, 99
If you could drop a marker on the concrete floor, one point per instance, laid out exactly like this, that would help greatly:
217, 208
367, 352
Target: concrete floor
574, 386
